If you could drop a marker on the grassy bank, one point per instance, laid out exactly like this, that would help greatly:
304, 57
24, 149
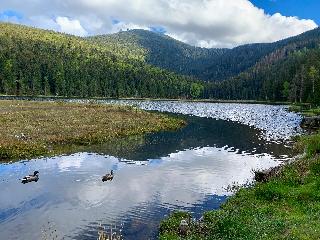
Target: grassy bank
285, 207
48, 98
29, 129
305, 110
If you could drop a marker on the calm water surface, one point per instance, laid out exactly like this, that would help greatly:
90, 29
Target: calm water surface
189, 169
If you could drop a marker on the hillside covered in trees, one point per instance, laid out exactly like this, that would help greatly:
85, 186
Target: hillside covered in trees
202, 63
165, 52
287, 70
39, 62
139, 63
290, 73
205, 64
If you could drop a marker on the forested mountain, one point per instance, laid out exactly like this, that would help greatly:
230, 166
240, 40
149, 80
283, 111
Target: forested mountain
39, 62
279, 71
295, 78
165, 52
205, 64
127, 64
291, 72
242, 58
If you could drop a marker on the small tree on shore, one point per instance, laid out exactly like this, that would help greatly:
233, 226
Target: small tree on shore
196, 90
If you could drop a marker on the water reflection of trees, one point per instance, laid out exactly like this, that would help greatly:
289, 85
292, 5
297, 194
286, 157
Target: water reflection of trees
200, 132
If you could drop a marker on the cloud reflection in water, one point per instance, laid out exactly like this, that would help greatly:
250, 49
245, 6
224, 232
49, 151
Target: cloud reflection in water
78, 196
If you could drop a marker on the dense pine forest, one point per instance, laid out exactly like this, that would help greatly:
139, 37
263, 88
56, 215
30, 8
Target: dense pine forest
39, 62
165, 52
207, 64
296, 78
289, 73
140, 63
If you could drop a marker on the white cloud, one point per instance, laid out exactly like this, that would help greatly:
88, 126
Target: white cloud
122, 26
67, 25
43, 22
209, 23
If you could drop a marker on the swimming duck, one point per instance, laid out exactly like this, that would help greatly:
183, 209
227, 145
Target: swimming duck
108, 177
31, 178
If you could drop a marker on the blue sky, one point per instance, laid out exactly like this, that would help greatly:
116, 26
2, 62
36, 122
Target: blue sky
307, 9
210, 23
8, 13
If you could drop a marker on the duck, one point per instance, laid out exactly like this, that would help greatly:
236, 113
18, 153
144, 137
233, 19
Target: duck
30, 178
183, 227
108, 177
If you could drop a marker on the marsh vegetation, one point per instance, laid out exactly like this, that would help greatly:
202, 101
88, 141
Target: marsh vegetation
29, 129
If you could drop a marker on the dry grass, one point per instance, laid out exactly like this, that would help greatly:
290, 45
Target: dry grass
31, 129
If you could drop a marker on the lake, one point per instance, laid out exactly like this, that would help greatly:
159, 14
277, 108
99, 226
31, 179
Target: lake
190, 169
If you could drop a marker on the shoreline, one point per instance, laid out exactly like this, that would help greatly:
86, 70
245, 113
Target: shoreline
285, 203
53, 98
34, 129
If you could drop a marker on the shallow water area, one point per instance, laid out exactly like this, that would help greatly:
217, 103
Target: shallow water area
188, 169
275, 121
